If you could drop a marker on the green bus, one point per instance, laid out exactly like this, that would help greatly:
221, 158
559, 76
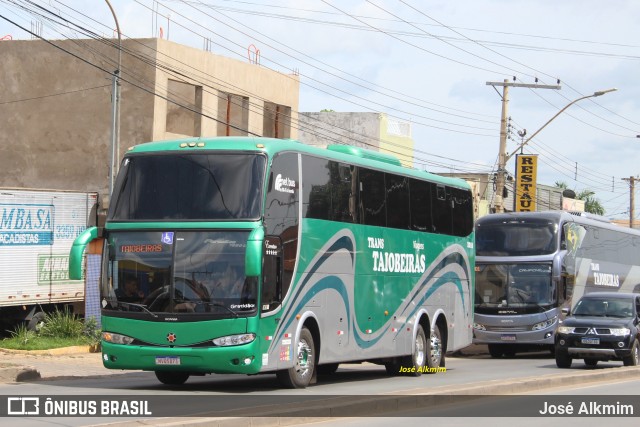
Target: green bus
252, 255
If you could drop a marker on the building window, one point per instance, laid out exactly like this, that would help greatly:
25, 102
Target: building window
184, 107
277, 121
233, 114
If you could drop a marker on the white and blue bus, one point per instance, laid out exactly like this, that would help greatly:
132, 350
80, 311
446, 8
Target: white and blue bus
529, 265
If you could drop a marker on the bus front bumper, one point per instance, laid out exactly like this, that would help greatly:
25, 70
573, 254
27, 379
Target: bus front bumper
241, 359
538, 337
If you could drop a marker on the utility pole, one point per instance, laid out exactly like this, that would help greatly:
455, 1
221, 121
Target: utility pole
632, 188
502, 153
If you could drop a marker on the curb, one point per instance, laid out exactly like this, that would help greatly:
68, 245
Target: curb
77, 349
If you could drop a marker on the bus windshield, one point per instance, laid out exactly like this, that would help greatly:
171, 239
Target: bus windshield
195, 273
198, 186
516, 237
523, 287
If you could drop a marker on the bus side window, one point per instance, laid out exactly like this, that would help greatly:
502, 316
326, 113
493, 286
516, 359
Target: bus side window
271, 295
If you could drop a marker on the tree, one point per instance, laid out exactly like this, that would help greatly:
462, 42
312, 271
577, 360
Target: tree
591, 203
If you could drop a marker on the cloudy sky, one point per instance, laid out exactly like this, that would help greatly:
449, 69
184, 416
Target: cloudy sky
428, 62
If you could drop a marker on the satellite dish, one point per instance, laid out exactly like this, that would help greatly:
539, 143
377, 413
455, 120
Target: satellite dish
569, 193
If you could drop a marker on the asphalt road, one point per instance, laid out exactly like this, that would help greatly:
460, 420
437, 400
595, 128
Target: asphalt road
364, 389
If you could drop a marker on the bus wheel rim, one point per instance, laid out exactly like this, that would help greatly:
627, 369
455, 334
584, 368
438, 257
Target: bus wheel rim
435, 350
304, 359
420, 352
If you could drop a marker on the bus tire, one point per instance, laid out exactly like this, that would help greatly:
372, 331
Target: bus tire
172, 378
328, 369
393, 367
36, 321
303, 370
415, 363
563, 360
435, 350
633, 359
495, 350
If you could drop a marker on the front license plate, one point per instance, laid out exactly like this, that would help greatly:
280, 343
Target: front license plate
591, 341
508, 337
167, 360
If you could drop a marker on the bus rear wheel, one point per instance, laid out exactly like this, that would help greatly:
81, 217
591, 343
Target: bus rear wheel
435, 350
303, 370
172, 378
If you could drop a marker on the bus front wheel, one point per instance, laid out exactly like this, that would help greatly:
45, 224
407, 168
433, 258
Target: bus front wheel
172, 378
302, 372
414, 364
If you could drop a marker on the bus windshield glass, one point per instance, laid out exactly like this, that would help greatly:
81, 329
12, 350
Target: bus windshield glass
518, 287
196, 273
199, 186
517, 237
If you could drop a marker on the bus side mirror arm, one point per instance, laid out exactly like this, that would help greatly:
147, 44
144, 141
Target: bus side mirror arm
253, 254
77, 251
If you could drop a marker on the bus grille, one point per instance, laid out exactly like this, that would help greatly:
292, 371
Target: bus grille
507, 328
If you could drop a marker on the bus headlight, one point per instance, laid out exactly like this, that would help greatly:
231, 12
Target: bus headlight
545, 324
565, 329
116, 338
230, 340
479, 327
620, 332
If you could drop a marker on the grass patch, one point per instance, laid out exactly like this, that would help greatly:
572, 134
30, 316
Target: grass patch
60, 329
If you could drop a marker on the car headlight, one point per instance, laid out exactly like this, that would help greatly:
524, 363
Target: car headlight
545, 324
620, 332
565, 329
116, 338
230, 340
479, 327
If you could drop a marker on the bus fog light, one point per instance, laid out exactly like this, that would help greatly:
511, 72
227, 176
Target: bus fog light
247, 360
561, 342
620, 344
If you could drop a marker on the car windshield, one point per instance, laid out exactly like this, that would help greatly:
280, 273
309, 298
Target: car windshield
605, 307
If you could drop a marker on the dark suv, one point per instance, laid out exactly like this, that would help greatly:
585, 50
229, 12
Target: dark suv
602, 326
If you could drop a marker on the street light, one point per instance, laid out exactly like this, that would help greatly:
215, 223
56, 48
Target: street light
594, 94
115, 110
503, 163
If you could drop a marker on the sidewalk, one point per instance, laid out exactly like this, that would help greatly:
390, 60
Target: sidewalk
16, 366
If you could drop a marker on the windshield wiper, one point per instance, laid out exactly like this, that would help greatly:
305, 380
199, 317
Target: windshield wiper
209, 304
133, 304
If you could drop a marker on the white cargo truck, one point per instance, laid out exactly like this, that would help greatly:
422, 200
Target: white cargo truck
37, 229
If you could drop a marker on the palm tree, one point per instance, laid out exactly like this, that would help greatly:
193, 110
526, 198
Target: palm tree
591, 204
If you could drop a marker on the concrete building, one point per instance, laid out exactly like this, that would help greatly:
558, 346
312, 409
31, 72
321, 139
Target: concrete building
374, 131
55, 105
